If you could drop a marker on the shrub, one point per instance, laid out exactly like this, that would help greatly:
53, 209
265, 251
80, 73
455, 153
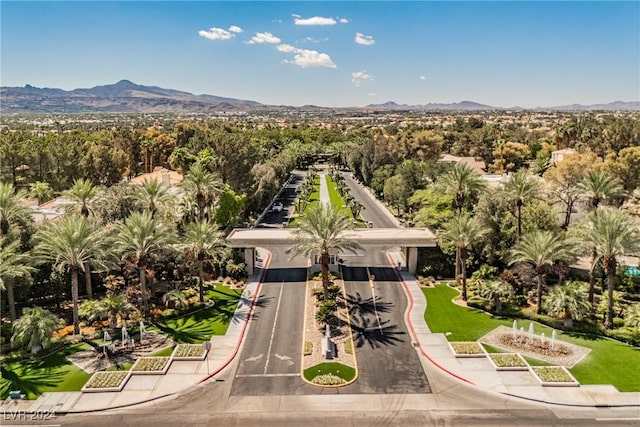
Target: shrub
326, 312
169, 312
328, 379
308, 348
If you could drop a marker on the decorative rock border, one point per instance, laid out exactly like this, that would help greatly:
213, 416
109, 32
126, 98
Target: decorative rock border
572, 383
97, 377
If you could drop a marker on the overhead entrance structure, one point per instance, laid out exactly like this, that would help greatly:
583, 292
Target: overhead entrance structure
278, 240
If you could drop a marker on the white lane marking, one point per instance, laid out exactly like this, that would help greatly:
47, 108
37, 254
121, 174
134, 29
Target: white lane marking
273, 330
254, 358
268, 375
373, 295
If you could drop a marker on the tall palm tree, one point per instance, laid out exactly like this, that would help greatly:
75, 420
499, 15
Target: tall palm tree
598, 186
541, 249
155, 194
522, 188
10, 207
82, 191
13, 264
462, 232
70, 243
568, 301
203, 240
464, 182
613, 234
34, 329
322, 230
139, 238
202, 185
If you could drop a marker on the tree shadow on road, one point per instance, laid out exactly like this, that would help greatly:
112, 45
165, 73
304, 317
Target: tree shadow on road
367, 331
359, 306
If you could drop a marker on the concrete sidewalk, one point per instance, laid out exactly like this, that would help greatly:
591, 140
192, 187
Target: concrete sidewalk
480, 373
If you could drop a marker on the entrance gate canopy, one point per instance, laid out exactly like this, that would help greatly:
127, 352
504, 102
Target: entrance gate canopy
389, 237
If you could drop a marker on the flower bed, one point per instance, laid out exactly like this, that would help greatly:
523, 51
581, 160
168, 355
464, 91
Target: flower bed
151, 365
328, 379
106, 381
466, 349
189, 352
508, 362
555, 376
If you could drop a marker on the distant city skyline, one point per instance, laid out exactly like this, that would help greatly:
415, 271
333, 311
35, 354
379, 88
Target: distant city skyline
338, 54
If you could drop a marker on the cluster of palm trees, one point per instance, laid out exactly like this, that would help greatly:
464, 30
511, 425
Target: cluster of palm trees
352, 203
605, 234
78, 242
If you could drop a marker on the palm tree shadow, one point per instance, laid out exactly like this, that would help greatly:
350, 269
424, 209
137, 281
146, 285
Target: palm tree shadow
32, 378
367, 331
180, 330
360, 307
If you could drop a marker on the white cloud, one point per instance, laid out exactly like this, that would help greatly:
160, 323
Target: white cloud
315, 20
264, 38
286, 48
344, 21
235, 29
313, 40
216, 34
360, 76
423, 77
372, 94
306, 58
364, 40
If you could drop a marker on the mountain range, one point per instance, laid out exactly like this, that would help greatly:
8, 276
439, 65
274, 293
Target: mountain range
128, 97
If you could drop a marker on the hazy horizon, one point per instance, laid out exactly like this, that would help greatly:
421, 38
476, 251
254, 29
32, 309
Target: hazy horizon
333, 54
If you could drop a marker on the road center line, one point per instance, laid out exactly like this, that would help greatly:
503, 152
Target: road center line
297, 374
373, 295
273, 330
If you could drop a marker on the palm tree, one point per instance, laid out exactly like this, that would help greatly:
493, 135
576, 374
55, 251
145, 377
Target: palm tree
70, 243
41, 191
541, 249
10, 207
464, 182
568, 301
202, 184
175, 297
155, 194
203, 240
13, 264
323, 230
116, 305
522, 187
495, 291
82, 191
139, 238
462, 232
632, 316
613, 234
34, 329
598, 186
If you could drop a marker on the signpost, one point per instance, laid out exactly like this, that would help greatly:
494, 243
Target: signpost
207, 347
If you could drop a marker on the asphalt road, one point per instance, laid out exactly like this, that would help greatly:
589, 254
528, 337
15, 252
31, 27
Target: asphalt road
287, 197
372, 211
271, 355
387, 360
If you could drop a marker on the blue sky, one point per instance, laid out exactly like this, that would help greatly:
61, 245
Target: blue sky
333, 53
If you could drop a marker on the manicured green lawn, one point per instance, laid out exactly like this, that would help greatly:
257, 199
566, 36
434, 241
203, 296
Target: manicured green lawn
345, 372
53, 373
200, 326
336, 199
608, 362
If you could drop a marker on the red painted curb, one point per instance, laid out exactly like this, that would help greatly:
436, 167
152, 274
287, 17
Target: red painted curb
244, 327
413, 331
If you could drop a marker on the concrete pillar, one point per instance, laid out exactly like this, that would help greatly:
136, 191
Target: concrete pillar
412, 260
249, 260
